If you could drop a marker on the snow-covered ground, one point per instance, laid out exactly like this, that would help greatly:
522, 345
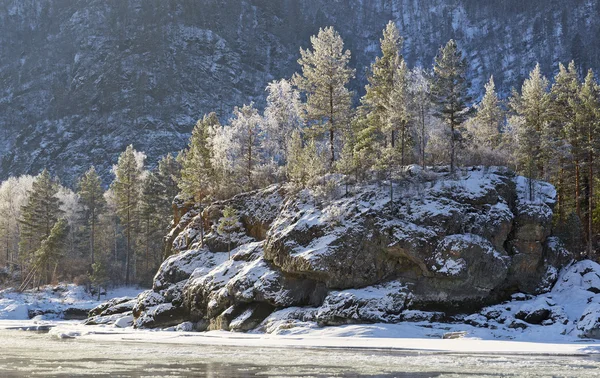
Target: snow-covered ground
55, 302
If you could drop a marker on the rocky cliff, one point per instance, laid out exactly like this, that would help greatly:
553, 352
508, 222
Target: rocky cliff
82, 79
445, 246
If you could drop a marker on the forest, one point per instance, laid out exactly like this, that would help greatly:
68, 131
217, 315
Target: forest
312, 128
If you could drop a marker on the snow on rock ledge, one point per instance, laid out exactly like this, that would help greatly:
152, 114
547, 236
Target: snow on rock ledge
447, 243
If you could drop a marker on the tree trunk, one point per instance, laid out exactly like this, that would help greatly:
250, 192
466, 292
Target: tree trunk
423, 136
452, 145
590, 225
331, 132
92, 236
577, 188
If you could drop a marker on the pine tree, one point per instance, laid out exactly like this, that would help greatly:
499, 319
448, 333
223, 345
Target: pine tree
324, 77
588, 116
365, 145
382, 82
489, 118
168, 175
228, 225
562, 138
39, 214
295, 169
52, 248
92, 199
153, 214
420, 106
197, 173
126, 187
245, 127
449, 91
398, 112
532, 106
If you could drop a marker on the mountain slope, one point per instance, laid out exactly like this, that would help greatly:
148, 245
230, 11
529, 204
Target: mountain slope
81, 79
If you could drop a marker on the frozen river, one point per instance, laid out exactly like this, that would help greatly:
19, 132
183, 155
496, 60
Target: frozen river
28, 353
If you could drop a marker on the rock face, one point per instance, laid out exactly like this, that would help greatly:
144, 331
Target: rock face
82, 79
446, 244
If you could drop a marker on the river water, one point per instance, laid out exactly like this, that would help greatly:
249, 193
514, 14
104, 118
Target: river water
24, 354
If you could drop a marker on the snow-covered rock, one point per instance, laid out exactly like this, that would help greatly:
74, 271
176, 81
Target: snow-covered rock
447, 243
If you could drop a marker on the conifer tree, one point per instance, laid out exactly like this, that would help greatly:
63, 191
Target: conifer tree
39, 214
168, 175
588, 116
152, 219
126, 188
382, 81
562, 139
420, 106
449, 90
489, 117
295, 169
324, 77
532, 106
228, 225
398, 112
365, 146
197, 173
52, 248
92, 199
245, 127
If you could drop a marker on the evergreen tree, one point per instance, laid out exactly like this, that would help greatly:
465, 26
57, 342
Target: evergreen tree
153, 214
398, 112
489, 117
229, 223
365, 145
38, 214
324, 77
126, 187
52, 249
588, 116
420, 105
382, 82
562, 138
168, 175
92, 199
449, 90
532, 107
245, 128
197, 173
295, 169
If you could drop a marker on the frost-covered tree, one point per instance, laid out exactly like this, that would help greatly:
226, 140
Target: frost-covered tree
532, 106
13, 195
304, 162
92, 201
168, 175
449, 91
281, 118
324, 77
197, 171
224, 157
126, 187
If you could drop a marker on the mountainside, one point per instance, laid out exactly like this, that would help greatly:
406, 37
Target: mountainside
82, 79
447, 245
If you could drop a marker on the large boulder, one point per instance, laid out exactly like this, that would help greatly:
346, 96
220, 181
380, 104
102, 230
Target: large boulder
443, 242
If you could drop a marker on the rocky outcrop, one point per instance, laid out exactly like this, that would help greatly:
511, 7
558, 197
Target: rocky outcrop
446, 244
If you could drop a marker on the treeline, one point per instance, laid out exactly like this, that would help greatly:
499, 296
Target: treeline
310, 128
94, 236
